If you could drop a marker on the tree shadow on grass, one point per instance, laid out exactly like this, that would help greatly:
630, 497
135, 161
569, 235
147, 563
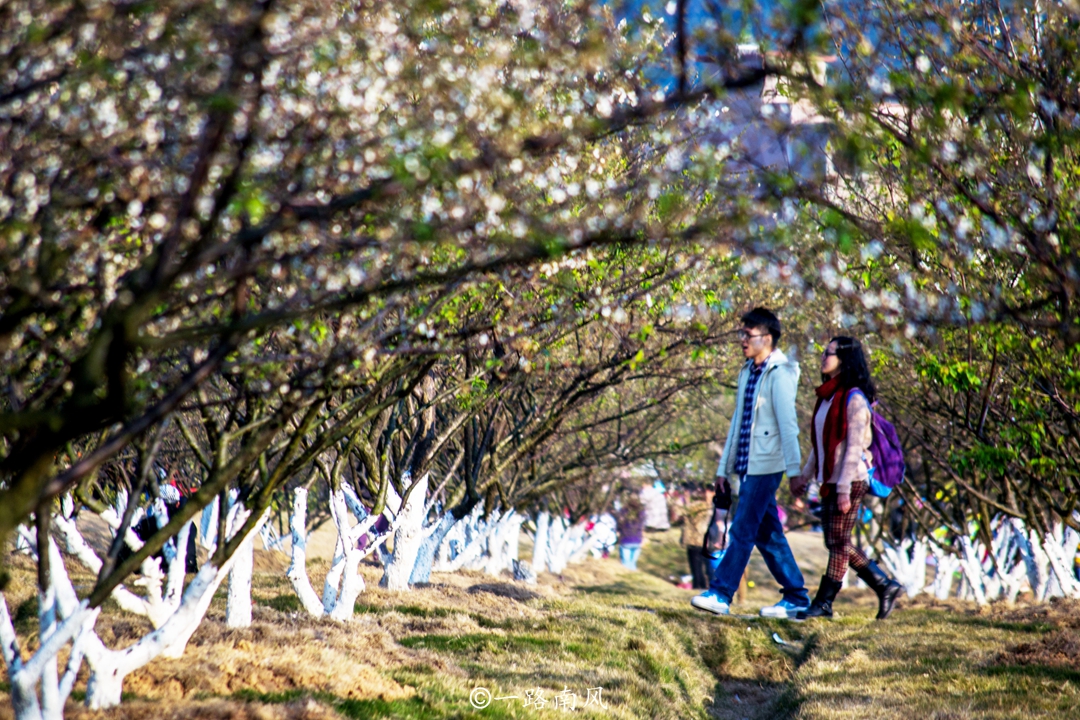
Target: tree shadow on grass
738, 699
620, 587
1035, 628
1054, 673
506, 590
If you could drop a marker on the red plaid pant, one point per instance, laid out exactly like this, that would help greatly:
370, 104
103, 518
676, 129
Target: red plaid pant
838, 527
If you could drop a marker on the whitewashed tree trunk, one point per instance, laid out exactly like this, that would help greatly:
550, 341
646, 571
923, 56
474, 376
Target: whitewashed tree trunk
352, 583
208, 523
333, 576
463, 545
451, 545
590, 541
1071, 544
489, 560
1035, 560
270, 538
110, 667
1011, 570
513, 541
151, 578
52, 708
919, 553
42, 668
407, 538
238, 604
343, 583
477, 535
540, 541
567, 543
21, 546
155, 606
963, 590
76, 546
23, 677
235, 519
973, 570
1014, 582
947, 565
174, 582
1060, 549
556, 531
427, 555
297, 572
502, 543
909, 571
112, 517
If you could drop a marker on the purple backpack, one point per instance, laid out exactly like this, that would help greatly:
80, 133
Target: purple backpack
888, 454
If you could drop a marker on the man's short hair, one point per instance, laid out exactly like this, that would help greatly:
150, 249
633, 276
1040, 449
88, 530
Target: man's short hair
763, 317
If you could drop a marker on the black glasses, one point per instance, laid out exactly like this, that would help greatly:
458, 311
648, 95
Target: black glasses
744, 335
828, 353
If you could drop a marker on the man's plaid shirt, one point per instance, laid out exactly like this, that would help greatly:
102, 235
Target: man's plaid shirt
742, 454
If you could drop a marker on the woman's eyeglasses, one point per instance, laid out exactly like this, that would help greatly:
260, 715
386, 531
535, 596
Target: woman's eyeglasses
828, 353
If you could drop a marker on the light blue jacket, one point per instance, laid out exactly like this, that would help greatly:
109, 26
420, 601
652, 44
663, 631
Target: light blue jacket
774, 432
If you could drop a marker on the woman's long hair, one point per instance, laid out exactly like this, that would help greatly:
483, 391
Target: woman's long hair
854, 371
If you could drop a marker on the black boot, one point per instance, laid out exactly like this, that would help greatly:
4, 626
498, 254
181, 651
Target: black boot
822, 605
886, 588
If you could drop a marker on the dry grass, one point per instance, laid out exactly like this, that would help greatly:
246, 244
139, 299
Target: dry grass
420, 654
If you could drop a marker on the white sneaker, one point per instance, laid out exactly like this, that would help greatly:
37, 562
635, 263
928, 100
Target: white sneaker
710, 601
783, 609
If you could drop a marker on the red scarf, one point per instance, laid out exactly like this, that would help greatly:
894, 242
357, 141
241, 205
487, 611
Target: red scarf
835, 429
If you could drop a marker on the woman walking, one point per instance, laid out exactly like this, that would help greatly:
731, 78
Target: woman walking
841, 461
630, 523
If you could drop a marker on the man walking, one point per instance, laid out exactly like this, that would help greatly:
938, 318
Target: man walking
762, 444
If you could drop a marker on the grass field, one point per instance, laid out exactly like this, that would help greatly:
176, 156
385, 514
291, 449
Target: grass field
634, 635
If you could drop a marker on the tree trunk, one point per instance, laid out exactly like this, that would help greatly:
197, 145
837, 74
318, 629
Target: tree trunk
238, 605
77, 546
341, 606
946, 567
540, 542
973, 571
557, 531
449, 556
23, 676
502, 544
297, 572
1060, 549
110, 667
473, 542
408, 537
24, 699
1035, 560
493, 563
52, 707
568, 542
425, 556
236, 518
908, 571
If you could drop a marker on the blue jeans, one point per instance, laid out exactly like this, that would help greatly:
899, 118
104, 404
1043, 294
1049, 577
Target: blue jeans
757, 523
628, 554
